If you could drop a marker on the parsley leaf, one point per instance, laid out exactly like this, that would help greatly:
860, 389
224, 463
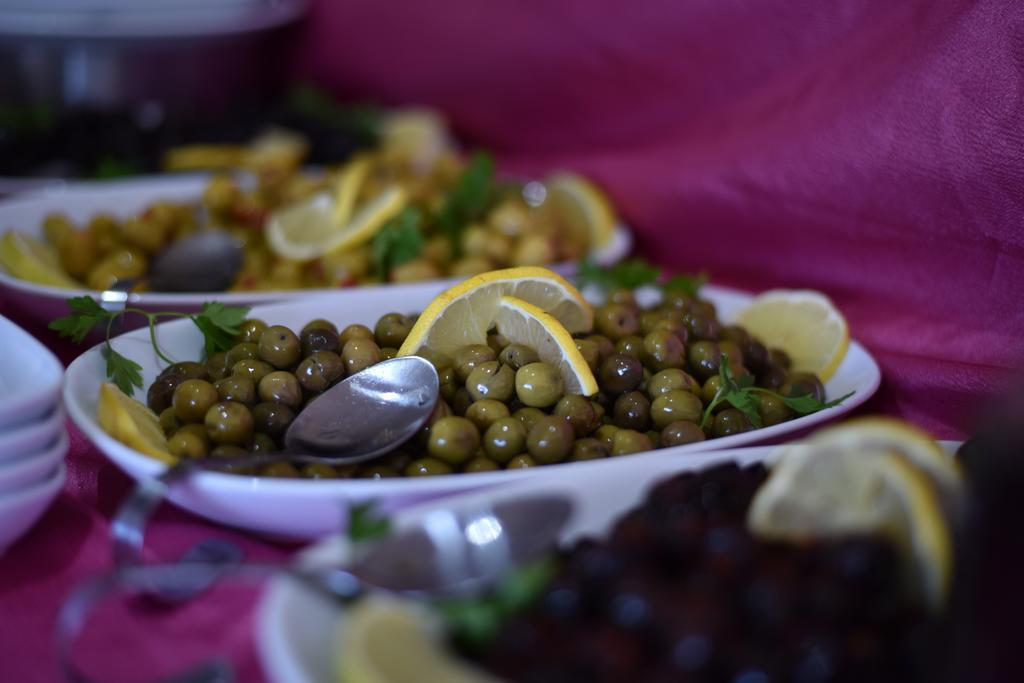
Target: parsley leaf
219, 325
365, 523
806, 403
689, 285
626, 275
398, 242
122, 371
85, 315
467, 201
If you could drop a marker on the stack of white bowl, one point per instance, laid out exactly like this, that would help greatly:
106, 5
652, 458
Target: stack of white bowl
33, 440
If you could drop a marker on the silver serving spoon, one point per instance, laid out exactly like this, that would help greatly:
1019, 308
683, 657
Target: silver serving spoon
205, 261
365, 415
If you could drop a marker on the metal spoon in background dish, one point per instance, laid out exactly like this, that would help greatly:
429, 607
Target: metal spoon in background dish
205, 261
362, 417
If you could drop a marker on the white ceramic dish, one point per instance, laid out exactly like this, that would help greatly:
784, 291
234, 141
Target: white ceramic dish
29, 377
81, 200
296, 630
309, 509
24, 439
19, 511
15, 476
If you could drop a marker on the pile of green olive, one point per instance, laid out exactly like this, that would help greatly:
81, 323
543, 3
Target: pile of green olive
500, 407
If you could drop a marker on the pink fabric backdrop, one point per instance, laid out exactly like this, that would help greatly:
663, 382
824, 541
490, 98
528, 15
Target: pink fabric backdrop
873, 150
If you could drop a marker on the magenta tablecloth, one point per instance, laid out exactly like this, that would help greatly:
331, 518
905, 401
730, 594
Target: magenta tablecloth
871, 150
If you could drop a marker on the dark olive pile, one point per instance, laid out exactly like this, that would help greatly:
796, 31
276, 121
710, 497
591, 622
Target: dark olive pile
682, 592
500, 407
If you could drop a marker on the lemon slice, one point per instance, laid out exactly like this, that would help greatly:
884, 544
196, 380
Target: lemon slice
581, 208
203, 157
386, 640
804, 324
463, 314
875, 433
29, 259
827, 490
416, 137
523, 323
307, 230
131, 423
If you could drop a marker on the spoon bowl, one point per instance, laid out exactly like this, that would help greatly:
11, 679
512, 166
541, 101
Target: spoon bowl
206, 261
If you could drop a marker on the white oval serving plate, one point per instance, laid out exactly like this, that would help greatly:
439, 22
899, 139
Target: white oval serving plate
30, 377
312, 508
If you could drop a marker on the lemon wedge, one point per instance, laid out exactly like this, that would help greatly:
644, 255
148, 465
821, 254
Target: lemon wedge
347, 188
131, 423
463, 314
803, 323
835, 488
387, 640
29, 259
581, 208
416, 137
308, 230
523, 323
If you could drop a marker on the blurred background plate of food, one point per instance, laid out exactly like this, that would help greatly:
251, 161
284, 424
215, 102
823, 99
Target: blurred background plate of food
406, 206
379, 320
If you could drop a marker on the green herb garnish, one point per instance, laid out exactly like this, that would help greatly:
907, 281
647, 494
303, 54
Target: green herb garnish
742, 395
467, 202
366, 523
218, 323
361, 121
398, 242
636, 273
476, 621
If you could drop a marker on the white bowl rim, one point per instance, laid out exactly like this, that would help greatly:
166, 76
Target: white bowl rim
37, 391
57, 449
40, 489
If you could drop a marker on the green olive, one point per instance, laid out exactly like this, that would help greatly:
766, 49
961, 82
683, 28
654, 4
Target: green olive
169, 421
185, 370
528, 416
504, 439
319, 371
588, 449
539, 385
448, 384
616, 321
468, 357
710, 390
161, 393
620, 373
359, 354
773, 410
192, 399
629, 441
605, 347
731, 351
632, 345
441, 409
702, 327
590, 352
632, 410
480, 464
517, 355
250, 330
484, 412
440, 361
521, 462
680, 433
229, 423
217, 366
780, 357
318, 470
187, 444
280, 470
803, 384
272, 419
355, 331
730, 421
392, 329
237, 388
675, 405
453, 440
773, 376
261, 443
550, 440
281, 387
622, 295
675, 327
427, 467
461, 401
241, 351
497, 342
280, 347
648, 319
704, 359
319, 339
492, 380
252, 368
669, 380
663, 350
579, 412
376, 471
319, 324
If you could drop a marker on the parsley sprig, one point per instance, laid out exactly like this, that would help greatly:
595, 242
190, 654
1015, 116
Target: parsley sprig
398, 242
468, 200
636, 273
741, 394
218, 323
366, 522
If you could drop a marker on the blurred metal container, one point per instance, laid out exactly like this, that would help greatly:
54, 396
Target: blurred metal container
118, 54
